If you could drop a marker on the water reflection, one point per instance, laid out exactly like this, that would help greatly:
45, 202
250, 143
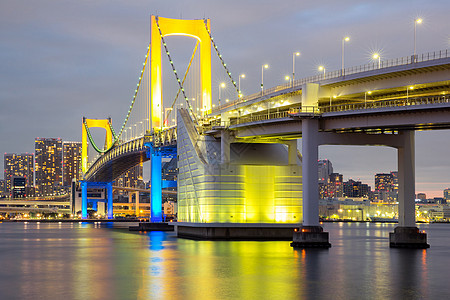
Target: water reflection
89, 261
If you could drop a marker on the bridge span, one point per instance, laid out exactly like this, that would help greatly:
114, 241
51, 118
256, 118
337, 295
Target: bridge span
238, 162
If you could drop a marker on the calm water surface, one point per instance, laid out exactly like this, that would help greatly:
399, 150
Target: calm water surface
93, 261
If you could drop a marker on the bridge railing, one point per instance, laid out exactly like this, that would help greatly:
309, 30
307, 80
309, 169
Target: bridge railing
406, 60
387, 103
315, 111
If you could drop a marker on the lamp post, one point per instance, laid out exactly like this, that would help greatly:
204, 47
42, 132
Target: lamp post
376, 56
322, 68
407, 92
345, 39
416, 21
293, 66
266, 66
222, 85
365, 98
239, 85
287, 78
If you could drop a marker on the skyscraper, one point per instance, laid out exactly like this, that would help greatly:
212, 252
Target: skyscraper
48, 164
71, 167
447, 194
384, 182
325, 169
131, 178
18, 165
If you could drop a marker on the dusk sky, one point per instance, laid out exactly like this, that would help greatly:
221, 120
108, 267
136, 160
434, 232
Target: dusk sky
62, 60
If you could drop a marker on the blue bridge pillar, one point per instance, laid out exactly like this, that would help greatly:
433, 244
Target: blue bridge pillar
156, 186
109, 198
84, 200
85, 185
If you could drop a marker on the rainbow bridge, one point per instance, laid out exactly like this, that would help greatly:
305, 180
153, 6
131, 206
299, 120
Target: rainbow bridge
240, 172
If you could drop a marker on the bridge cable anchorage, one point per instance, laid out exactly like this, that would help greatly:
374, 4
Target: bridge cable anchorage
175, 73
136, 91
221, 59
184, 78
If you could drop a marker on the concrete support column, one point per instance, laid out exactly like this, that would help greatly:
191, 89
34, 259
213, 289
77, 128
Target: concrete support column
156, 186
406, 234
84, 214
292, 152
224, 146
136, 197
406, 181
109, 199
310, 149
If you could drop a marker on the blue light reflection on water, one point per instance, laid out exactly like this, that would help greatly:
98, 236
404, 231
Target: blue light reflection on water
99, 261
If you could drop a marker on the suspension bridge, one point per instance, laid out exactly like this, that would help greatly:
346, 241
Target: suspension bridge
240, 174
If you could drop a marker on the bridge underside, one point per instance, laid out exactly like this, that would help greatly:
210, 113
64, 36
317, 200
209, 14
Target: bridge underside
117, 166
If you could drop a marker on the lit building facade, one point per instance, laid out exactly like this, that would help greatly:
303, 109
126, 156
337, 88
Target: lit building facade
2, 187
447, 194
356, 189
71, 167
48, 164
18, 165
325, 169
131, 178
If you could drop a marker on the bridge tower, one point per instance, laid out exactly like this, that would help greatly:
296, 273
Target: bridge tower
85, 185
161, 27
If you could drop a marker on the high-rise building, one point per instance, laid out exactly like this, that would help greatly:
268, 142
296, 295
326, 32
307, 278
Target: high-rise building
356, 189
447, 194
71, 167
2, 187
325, 169
421, 196
394, 181
48, 164
384, 182
19, 165
131, 178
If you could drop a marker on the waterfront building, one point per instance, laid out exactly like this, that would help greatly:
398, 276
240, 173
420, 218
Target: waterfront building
131, 178
18, 165
325, 168
447, 194
18, 187
48, 163
356, 189
421, 196
71, 167
169, 173
2, 188
384, 182
333, 188
386, 186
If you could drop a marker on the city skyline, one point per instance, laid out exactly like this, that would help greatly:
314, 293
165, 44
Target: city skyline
85, 61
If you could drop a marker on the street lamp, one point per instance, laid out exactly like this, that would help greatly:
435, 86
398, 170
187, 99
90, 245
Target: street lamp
266, 66
239, 85
287, 78
222, 85
322, 68
345, 39
416, 21
293, 65
407, 91
376, 56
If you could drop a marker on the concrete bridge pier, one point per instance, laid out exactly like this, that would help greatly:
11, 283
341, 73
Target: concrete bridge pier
310, 234
406, 234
